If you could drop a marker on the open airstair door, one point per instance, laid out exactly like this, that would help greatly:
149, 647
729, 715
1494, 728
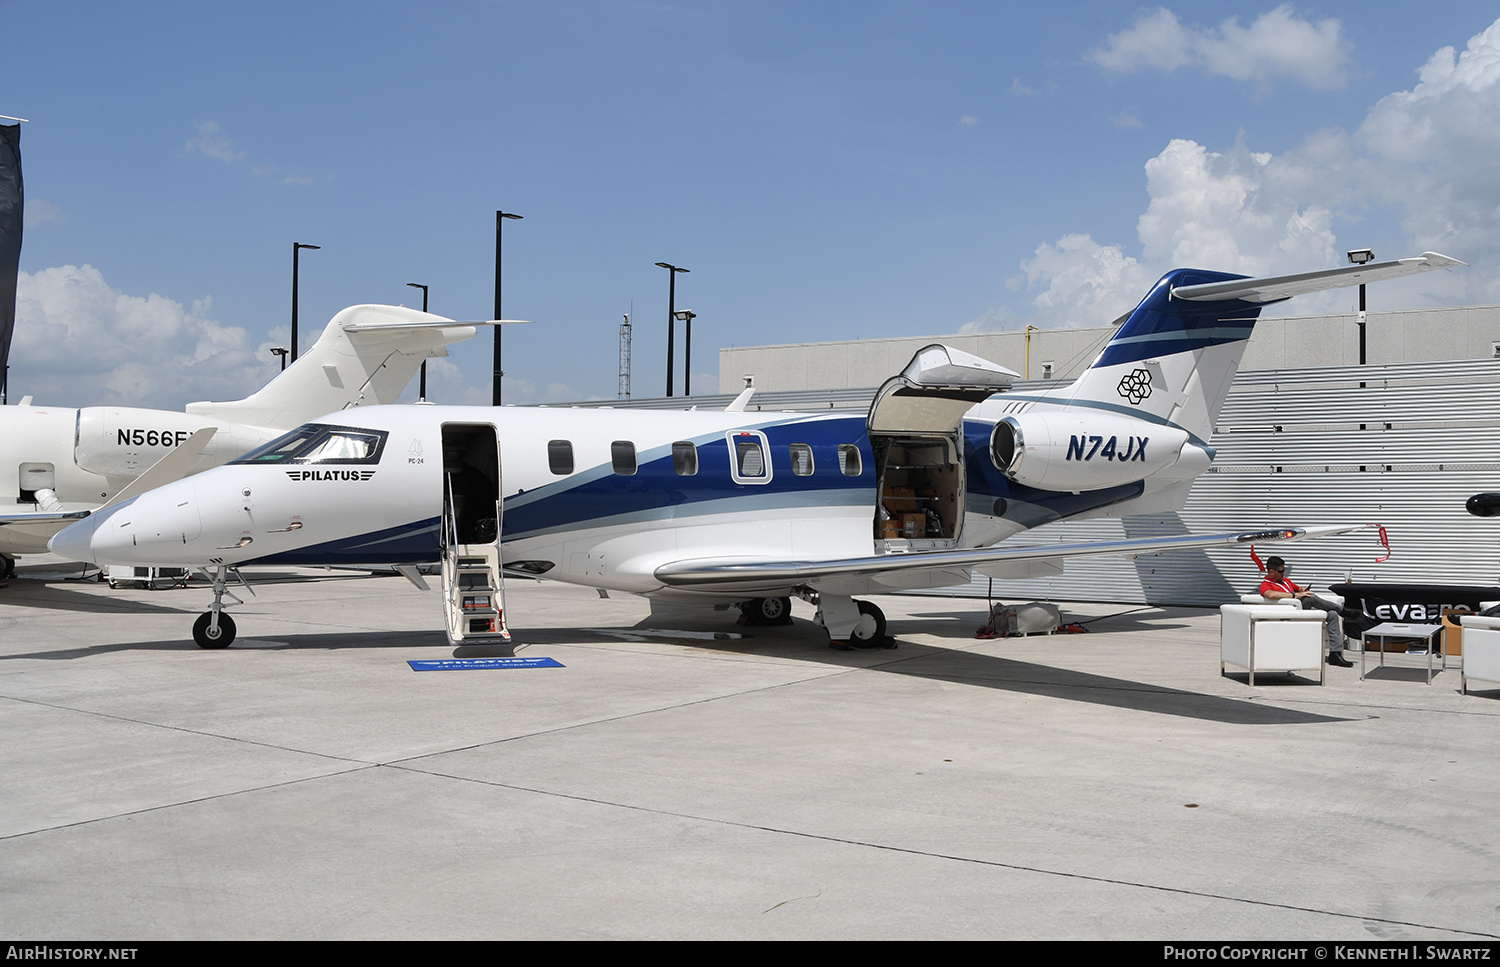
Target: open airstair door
473, 580
916, 432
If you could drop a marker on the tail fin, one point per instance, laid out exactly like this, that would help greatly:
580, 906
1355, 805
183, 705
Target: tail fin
1176, 354
366, 355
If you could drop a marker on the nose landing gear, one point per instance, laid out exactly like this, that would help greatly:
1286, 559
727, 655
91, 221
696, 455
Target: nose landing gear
215, 629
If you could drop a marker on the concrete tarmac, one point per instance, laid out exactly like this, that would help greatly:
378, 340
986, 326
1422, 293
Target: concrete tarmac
683, 777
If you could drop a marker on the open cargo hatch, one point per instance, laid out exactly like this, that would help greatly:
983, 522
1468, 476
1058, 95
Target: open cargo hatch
916, 431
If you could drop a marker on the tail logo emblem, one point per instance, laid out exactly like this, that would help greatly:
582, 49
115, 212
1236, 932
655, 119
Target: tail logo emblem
1136, 385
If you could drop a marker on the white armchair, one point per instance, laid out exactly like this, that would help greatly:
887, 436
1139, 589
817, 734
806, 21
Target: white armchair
1270, 637
1328, 596
1259, 599
1481, 657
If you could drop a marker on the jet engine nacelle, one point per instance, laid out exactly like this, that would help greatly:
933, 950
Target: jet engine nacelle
1063, 451
122, 441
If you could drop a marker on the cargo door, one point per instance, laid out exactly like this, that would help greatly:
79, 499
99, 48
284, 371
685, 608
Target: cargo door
916, 432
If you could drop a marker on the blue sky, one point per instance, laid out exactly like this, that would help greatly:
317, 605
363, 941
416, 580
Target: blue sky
825, 170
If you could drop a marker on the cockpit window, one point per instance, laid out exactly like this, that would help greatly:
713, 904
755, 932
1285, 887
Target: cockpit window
317, 443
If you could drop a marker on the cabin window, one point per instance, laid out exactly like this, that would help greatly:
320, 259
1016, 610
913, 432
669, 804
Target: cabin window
560, 457
802, 459
849, 464
622, 455
748, 450
685, 458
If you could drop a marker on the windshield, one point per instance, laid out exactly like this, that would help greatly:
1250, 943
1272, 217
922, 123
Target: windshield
317, 443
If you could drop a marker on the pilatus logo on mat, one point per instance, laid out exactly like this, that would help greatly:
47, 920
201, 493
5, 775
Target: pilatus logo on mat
330, 474
1136, 385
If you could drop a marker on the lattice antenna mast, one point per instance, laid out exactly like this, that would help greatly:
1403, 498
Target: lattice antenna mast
624, 393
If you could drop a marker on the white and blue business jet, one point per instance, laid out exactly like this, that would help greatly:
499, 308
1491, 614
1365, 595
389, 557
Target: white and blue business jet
736, 507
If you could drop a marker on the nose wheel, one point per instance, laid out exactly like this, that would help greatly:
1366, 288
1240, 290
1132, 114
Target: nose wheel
215, 629
209, 634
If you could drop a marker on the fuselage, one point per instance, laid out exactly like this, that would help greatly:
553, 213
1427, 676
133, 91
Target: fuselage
593, 496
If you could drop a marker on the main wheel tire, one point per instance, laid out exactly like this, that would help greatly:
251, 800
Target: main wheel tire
863, 636
207, 637
767, 611
774, 611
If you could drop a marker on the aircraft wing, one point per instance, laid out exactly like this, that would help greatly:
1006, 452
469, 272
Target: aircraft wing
44, 516
29, 532
750, 576
1281, 287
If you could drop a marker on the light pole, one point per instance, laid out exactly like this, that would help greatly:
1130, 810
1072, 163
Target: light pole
422, 385
280, 351
297, 248
1360, 256
500, 218
687, 317
672, 271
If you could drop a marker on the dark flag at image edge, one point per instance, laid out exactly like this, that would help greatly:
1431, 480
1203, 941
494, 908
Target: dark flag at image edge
11, 208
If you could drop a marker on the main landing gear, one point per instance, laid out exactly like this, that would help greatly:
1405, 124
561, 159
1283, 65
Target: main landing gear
214, 628
852, 624
766, 611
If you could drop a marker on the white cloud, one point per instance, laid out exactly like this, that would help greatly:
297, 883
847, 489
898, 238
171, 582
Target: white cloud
38, 212
79, 342
1431, 151
1085, 283
1021, 90
275, 173
995, 320
1231, 211
211, 141
1421, 159
1277, 45
968, 121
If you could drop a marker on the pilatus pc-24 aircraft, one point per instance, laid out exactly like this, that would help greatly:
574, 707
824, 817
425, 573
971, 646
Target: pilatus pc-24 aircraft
735, 507
59, 463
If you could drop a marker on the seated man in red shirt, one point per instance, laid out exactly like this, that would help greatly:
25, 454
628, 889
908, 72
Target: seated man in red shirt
1277, 585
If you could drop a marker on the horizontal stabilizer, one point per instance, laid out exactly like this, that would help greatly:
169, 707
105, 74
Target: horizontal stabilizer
384, 325
752, 575
1285, 286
